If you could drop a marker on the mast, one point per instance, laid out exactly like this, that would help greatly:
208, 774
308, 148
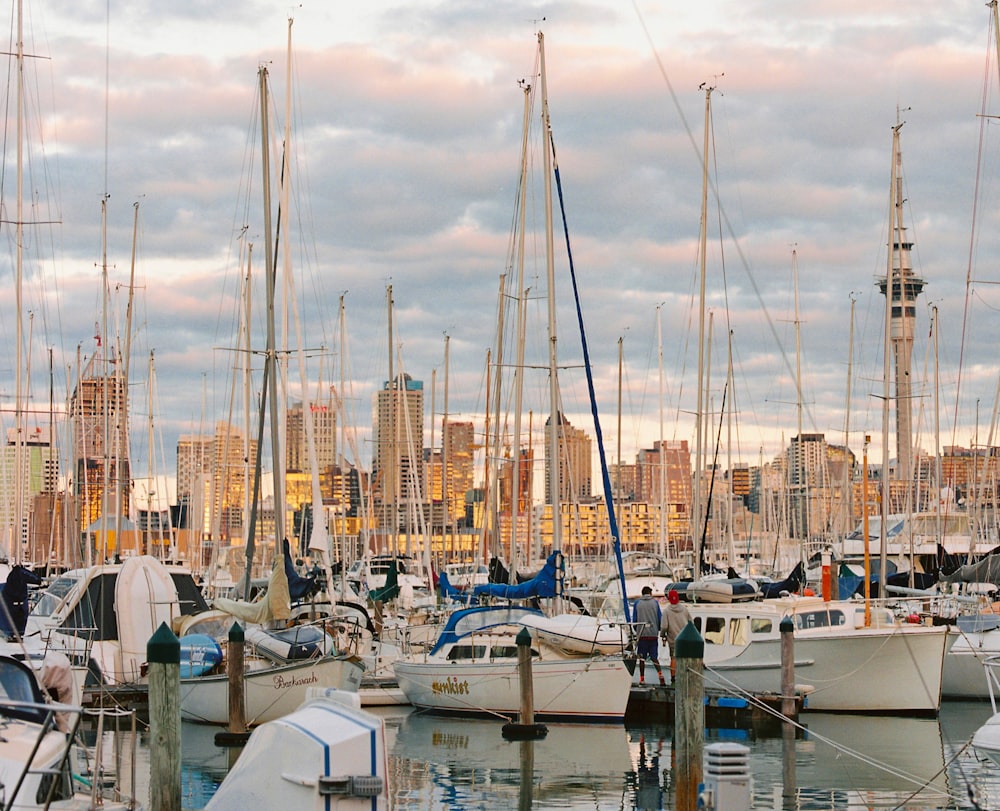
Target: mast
448, 540
522, 297
19, 426
662, 459
555, 417
801, 513
848, 491
618, 477
698, 417
888, 289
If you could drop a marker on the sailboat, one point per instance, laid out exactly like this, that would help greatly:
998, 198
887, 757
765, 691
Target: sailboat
577, 662
285, 663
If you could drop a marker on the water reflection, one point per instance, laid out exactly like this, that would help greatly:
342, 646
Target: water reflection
836, 763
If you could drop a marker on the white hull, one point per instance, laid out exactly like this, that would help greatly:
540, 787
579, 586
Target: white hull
892, 669
269, 692
571, 689
964, 677
986, 740
381, 692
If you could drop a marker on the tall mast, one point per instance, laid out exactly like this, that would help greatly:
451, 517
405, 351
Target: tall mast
19, 427
661, 456
698, 417
555, 417
522, 296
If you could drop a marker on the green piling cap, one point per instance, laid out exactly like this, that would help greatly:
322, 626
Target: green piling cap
163, 647
689, 644
786, 626
236, 633
523, 637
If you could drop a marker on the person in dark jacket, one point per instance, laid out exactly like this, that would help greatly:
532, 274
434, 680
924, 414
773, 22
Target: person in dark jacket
647, 620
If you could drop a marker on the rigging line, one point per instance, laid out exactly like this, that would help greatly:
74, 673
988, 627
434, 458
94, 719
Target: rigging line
991, 33
609, 500
719, 681
723, 215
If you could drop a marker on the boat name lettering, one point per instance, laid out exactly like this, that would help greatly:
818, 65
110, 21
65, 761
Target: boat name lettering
452, 687
282, 683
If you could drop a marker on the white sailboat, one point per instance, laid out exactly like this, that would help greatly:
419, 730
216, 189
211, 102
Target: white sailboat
578, 668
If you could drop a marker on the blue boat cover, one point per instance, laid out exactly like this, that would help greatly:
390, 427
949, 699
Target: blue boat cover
450, 592
465, 621
544, 584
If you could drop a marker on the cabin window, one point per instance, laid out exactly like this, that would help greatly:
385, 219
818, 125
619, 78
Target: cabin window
504, 652
466, 652
715, 630
739, 632
760, 626
820, 619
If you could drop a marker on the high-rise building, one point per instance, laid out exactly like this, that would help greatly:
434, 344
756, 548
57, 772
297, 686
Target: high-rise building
398, 434
212, 475
324, 422
574, 465
38, 474
663, 476
101, 471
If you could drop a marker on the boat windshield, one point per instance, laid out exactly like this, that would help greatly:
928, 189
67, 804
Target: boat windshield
49, 598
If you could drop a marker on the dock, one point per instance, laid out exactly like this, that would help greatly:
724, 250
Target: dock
655, 704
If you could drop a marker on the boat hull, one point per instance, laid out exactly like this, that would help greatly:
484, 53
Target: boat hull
585, 689
964, 677
875, 671
270, 692
883, 669
986, 740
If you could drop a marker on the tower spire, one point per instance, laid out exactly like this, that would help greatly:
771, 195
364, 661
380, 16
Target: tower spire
905, 288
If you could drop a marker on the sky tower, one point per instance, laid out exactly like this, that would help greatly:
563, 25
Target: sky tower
901, 320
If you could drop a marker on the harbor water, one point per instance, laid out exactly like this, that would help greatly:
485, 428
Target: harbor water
834, 762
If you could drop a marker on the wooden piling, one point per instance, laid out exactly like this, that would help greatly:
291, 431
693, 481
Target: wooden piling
526, 728
689, 717
163, 652
236, 733
787, 629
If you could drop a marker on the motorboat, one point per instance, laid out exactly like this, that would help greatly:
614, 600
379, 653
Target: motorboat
102, 616
326, 753
889, 665
472, 669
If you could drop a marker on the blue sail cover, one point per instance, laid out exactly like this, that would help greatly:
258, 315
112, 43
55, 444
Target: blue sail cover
450, 592
541, 585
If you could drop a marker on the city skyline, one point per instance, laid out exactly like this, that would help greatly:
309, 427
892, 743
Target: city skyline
406, 129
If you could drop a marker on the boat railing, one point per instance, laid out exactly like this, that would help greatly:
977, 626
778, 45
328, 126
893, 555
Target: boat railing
992, 666
95, 757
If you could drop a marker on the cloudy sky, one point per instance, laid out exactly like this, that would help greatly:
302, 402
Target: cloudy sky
406, 122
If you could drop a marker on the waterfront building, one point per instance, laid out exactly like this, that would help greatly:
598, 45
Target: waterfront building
38, 475
214, 475
574, 462
101, 479
397, 466
324, 421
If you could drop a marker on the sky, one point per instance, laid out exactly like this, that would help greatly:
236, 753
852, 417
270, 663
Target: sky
405, 152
